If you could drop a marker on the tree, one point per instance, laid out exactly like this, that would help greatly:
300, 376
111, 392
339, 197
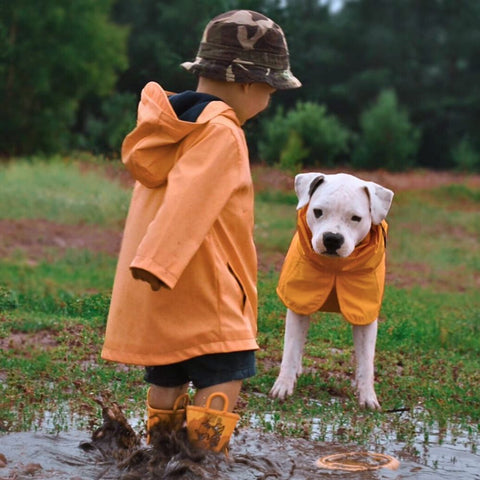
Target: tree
307, 133
308, 27
427, 51
54, 56
387, 139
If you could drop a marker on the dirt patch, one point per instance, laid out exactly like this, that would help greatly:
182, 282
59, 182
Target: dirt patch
268, 178
21, 341
268, 261
36, 238
418, 180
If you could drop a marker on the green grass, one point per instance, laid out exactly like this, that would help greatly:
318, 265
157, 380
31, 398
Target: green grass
58, 190
435, 229
75, 270
53, 312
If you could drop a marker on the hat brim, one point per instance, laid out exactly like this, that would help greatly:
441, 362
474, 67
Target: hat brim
242, 73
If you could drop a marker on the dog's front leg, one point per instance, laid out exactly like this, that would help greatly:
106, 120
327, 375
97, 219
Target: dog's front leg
296, 329
364, 340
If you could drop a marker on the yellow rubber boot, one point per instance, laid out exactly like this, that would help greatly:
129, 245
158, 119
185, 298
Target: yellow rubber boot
171, 420
211, 429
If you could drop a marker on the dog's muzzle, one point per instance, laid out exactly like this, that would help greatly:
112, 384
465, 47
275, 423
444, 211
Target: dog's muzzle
332, 242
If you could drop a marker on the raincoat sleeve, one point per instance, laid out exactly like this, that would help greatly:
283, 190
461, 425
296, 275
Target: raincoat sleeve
199, 186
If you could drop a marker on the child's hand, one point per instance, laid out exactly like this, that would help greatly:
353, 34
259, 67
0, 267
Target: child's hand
140, 274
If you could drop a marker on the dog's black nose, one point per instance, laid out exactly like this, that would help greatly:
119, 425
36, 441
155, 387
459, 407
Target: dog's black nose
332, 241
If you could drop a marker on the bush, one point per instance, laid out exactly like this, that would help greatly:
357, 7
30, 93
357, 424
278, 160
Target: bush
465, 157
105, 131
306, 133
292, 156
387, 138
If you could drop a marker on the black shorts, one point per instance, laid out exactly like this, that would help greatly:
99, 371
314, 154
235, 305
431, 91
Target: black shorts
204, 371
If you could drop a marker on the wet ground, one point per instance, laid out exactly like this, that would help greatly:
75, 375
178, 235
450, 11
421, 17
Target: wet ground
253, 455
75, 455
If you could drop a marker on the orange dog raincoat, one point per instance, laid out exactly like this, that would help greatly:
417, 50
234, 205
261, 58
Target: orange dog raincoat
353, 286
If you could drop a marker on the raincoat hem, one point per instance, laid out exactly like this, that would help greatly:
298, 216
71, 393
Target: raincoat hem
111, 354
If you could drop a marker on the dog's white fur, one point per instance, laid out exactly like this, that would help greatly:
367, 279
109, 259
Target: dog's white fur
341, 210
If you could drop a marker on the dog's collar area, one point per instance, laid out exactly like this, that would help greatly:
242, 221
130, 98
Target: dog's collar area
367, 254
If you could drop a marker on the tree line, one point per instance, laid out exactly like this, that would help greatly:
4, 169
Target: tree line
393, 83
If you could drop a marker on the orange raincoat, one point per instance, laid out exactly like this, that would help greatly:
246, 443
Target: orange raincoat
353, 286
190, 224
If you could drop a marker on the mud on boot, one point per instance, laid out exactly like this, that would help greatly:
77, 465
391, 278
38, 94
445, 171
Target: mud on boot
211, 429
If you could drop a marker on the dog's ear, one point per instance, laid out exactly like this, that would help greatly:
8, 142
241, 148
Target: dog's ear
305, 185
380, 201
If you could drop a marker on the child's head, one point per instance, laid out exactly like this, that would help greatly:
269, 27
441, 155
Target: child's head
243, 46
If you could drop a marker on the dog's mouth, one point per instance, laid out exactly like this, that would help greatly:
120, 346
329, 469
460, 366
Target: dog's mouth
330, 253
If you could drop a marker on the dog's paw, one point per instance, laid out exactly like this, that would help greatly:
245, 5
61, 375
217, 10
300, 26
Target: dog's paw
368, 400
282, 388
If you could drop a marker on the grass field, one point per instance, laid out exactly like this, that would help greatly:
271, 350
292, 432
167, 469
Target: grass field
60, 228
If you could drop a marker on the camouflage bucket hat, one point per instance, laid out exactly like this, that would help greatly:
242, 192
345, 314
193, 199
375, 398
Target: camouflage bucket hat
243, 46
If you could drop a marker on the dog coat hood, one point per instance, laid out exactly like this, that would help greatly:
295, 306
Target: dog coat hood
353, 285
190, 224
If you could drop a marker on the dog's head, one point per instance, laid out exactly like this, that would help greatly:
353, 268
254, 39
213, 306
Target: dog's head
341, 209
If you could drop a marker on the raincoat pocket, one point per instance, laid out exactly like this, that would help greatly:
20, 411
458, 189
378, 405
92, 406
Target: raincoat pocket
242, 294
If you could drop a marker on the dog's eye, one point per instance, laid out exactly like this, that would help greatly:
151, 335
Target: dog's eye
317, 212
356, 218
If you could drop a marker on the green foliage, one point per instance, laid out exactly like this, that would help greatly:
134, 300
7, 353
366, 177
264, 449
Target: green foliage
61, 70
52, 59
465, 157
387, 139
163, 34
105, 131
294, 153
426, 51
307, 130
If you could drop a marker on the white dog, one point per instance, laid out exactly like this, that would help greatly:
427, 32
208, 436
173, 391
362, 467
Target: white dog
336, 262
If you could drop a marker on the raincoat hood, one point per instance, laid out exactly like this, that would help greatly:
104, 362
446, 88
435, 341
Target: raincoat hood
147, 150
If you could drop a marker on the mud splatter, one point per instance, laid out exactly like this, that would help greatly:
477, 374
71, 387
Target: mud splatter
169, 455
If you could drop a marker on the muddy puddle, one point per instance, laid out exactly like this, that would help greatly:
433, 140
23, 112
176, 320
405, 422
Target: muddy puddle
116, 451
252, 456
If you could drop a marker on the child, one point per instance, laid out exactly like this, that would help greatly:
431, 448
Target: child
184, 299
